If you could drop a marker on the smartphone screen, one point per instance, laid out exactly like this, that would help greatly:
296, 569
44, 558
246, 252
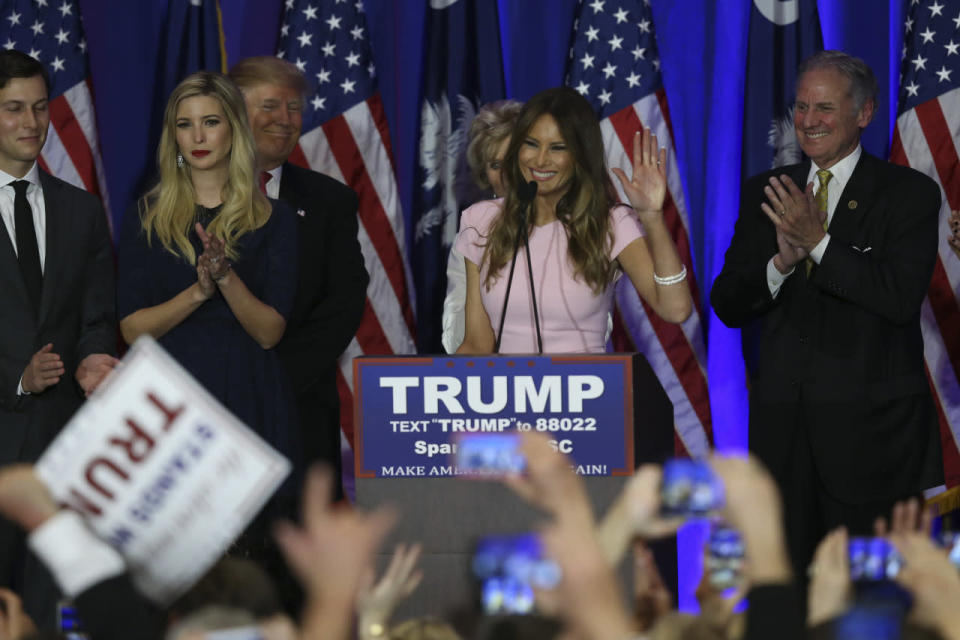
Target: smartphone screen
873, 559
489, 455
950, 540
69, 622
725, 554
508, 568
690, 489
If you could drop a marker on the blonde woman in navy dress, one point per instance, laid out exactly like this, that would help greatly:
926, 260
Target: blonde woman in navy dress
208, 265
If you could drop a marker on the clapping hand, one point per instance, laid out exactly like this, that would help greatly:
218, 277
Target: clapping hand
43, 370
207, 285
213, 259
794, 213
93, 370
646, 189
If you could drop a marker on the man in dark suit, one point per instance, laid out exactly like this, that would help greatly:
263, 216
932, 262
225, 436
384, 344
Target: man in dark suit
831, 278
58, 311
332, 287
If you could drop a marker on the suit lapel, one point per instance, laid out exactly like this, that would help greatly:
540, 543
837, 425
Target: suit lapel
56, 212
290, 185
11, 264
799, 177
855, 201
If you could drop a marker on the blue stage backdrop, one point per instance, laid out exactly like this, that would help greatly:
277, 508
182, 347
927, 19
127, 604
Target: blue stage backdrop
703, 54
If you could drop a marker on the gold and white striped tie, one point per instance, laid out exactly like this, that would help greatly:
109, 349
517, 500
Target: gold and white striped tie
820, 198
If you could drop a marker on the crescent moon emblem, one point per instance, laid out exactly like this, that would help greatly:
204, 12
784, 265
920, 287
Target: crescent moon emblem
779, 12
441, 4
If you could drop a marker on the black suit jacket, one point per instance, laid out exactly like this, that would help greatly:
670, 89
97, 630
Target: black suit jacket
77, 314
332, 286
843, 346
113, 608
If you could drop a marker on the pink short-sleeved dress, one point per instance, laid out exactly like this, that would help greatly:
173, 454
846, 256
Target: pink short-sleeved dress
572, 318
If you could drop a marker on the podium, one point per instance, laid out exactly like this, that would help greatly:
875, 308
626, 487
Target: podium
608, 412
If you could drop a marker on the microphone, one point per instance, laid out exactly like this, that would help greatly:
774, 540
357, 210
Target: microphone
526, 192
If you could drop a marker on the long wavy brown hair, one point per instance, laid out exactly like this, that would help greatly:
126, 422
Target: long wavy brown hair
584, 210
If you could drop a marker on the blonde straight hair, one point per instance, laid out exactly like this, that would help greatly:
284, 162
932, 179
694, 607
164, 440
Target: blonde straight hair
168, 210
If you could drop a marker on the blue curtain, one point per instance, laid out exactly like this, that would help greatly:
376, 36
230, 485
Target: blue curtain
703, 49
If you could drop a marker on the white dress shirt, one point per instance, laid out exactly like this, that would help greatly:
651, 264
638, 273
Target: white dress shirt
35, 198
841, 176
273, 184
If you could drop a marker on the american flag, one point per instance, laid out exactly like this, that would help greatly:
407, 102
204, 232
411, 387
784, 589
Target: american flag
51, 31
614, 64
927, 138
345, 136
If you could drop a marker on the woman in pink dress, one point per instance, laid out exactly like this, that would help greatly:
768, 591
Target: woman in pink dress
581, 240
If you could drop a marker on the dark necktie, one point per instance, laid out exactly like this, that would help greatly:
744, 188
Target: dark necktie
264, 179
27, 251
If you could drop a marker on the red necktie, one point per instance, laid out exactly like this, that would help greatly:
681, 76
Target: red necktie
264, 179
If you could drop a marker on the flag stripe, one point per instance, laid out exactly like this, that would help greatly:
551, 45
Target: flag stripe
371, 336
926, 138
935, 129
347, 138
946, 383
690, 426
57, 159
345, 388
379, 118
368, 124
948, 439
315, 147
80, 100
75, 143
372, 214
615, 65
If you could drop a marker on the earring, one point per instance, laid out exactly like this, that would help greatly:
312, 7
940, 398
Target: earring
179, 159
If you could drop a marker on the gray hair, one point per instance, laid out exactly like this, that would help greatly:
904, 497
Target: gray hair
863, 84
492, 125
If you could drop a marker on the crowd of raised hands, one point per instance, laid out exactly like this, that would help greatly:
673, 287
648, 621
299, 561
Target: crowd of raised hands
332, 552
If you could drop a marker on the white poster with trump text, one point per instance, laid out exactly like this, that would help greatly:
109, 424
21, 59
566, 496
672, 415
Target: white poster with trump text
161, 470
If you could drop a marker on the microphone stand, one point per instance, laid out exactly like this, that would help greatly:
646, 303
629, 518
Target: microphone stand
526, 194
533, 292
513, 264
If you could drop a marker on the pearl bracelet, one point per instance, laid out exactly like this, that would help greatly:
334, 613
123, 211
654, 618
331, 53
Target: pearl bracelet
674, 279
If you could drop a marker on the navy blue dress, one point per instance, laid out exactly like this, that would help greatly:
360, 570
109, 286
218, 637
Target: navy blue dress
210, 343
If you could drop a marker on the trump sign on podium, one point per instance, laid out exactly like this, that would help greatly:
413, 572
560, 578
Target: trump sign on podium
161, 471
411, 411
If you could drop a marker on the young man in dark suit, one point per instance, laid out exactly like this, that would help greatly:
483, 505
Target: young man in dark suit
332, 286
829, 263
58, 313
